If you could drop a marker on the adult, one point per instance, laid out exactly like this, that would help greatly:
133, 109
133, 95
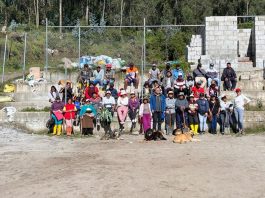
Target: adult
214, 111
212, 74
239, 102
90, 90
85, 74
57, 115
229, 77
158, 107
154, 74
165, 71
181, 107
199, 74
197, 90
145, 114
134, 104
95, 100
98, 75
170, 117
114, 92
53, 94
180, 85
225, 115
168, 82
177, 71
203, 108
88, 104
193, 115
109, 76
131, 76
68, 94
109, 102
213, 89
69, 116
122, 108
189, 84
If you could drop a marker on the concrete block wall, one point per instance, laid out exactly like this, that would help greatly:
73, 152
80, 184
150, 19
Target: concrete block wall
194, 50
221, 38
244, 42
259, 30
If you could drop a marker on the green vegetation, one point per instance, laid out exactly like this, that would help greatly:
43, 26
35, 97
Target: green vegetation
32, 109
255, 129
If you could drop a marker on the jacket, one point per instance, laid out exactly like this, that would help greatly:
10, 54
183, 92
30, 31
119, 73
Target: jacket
181, 103
203, 106
176, 72
163, 104
211, 73
228, 73
199, 73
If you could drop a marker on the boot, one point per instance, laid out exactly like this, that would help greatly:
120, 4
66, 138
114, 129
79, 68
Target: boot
196, 127
59, 129
68, 131
192, 127
54, 130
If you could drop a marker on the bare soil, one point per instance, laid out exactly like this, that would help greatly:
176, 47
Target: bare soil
218, 166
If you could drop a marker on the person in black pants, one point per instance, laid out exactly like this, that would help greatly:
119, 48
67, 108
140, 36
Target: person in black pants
229, 78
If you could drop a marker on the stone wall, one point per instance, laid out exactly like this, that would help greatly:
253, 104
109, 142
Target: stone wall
244, 43
194, 50
221, 38
259, 30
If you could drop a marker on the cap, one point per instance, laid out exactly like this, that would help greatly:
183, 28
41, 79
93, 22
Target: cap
181, 94
170, 92
191, 96
199, 82
132, 93
180, 74
123, 92
87, 100
108, 92
237, 90
212, 64
108, 65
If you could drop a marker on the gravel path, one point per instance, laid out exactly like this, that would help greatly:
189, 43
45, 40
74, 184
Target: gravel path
218, 166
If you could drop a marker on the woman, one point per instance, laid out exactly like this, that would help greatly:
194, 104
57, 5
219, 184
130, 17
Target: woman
214, 111
203, 109
53, 94
69, 115
170, 112
239, 102
134, 104
225, 115
68, 94
87, 115
122, 108
145, 114
193, 115
57, 115
168, 82
213, 89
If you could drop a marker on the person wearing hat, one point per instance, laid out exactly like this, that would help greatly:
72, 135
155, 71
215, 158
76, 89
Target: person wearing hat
212, 74
158, 107
122, 108
170, 112
193, 115
88, 104
180, 85
145, 114
131, 76
90, 90
134, 105
214, 112
229, 77
57, 115
213, 89
189, 84
109, 102
168, 82
197, 89
176, 71
98, 75
239, 103
165, 71
203, 109
225, 115
154, 74
199, 74
85, 74
109, 76
181, 107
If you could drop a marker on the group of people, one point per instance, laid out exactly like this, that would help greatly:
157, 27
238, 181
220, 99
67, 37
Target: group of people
179, 99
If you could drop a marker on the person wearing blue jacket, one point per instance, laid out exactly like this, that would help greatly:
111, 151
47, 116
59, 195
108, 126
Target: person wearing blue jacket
176, 72
158, 108
203, 108
87, 105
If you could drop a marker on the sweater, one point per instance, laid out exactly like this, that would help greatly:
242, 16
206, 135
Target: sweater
181, 103
170, 105
122, 101
203, 106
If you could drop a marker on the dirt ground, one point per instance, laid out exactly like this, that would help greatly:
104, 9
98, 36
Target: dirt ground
218, 166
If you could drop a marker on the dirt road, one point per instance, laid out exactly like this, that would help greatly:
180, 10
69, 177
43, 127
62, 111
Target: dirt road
218, 166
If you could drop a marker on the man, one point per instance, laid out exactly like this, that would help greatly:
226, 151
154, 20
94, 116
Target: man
239, 103
180, 85
229, 78
199, 74
170, 112
113, 91
181, 106
85, 74
203, 108
176, 72
154, 74
165, 71
109, 102
158, 107
131, 76
109, 76
98, 74
68, 94
212, 74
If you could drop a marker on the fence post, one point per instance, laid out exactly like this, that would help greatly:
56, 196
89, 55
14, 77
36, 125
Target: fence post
144, 44
24, 58
46, 49
4, 61
79, 45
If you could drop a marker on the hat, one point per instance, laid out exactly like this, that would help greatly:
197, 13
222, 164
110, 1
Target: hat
132, 93
212, 64
123, 92
99, 66
212, 95
191, 96
201, 94
108, 92
89, 110
154, 65
199, 82
108, 65
180, 74
145, 98
223, 96
181, 94
237, 90
170, 92
57, 98
87, 100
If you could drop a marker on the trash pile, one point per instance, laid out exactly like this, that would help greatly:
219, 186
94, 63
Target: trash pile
117, 63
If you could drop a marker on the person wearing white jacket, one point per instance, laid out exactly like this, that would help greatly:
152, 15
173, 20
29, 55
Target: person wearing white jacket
145, 114
239, 102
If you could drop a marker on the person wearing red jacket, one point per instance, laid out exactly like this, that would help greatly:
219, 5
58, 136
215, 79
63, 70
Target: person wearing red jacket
69, 116
90, 90
197, 89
